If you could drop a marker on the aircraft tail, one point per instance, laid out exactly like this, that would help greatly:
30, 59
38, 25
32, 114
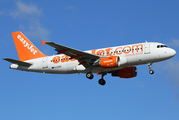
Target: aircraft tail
25, 48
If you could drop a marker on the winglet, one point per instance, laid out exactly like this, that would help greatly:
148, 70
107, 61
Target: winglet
43, 42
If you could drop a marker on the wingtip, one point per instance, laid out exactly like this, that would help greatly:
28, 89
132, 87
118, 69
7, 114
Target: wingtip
43, 42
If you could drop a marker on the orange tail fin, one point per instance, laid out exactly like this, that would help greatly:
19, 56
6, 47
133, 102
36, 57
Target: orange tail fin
25, 49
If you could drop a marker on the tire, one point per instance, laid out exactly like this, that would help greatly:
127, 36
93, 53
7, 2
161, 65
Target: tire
89, 75
151, 72
102, 82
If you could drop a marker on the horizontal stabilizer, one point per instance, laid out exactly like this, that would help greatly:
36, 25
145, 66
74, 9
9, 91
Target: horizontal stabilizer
18, 62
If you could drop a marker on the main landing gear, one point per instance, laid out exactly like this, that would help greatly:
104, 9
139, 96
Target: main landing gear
101, 81
150, 67
89, 75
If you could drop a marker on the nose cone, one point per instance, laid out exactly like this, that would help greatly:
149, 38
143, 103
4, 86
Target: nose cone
172, 52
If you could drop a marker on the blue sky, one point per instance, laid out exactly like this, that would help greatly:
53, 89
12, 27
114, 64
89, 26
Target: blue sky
88, 25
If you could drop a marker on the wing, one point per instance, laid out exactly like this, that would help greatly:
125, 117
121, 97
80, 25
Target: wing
82, 57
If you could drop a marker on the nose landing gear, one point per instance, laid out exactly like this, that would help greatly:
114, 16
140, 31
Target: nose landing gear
150, 67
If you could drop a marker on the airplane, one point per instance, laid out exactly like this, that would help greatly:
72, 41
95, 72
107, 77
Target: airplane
119, 61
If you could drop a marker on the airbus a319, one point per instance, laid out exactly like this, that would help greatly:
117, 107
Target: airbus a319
119, 61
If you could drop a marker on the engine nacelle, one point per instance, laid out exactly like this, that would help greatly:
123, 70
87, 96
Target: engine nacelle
128, 72
111, 62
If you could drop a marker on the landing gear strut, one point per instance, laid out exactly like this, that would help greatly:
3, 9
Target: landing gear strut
89, 75
150, 67
102, 81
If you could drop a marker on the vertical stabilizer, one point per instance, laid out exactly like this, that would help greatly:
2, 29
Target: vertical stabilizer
25, 48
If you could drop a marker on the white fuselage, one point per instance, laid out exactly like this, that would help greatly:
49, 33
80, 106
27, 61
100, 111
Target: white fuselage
134, 54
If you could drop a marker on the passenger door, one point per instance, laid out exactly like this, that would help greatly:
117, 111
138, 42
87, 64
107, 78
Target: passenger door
147, 48
44, 63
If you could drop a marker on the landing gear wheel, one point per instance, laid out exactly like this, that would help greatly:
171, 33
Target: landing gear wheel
89, 75
150, 67
151, 72
102, 82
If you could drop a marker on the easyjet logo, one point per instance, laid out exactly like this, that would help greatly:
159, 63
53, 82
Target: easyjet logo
26, 44
127, 50
108, 61
62, 59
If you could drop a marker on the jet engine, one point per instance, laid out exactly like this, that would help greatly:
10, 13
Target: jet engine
128, 72
111, 62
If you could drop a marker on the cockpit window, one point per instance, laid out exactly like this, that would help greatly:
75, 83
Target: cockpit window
161, 46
